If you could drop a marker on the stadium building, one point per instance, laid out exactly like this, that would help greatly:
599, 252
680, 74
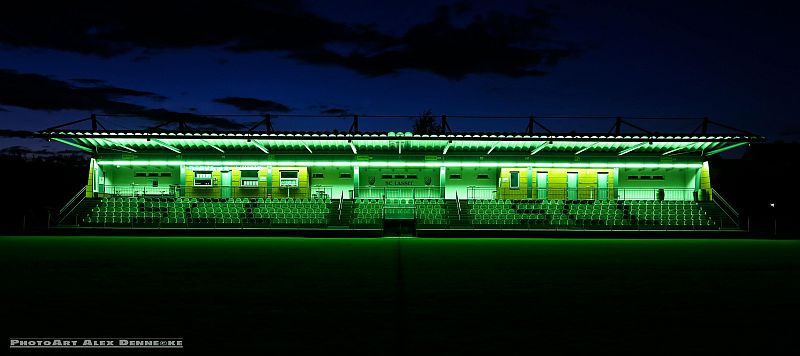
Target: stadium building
400, 181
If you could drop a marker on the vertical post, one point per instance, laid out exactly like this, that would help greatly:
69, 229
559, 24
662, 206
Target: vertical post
268, 123
531, 123
618, 125
444, 123
705, 125
354, 125
94, 122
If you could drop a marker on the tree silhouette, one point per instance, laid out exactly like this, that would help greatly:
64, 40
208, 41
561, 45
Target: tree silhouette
426, 123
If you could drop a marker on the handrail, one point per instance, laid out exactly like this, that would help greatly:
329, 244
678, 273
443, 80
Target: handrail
458, 206
727, 208
71, 204
341, 200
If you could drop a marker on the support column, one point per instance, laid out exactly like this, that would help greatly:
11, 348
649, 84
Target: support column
442, 182
530, 182
356, 180
269, 181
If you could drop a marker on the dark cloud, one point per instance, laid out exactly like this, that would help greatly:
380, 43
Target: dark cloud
514, 45
253, 104
2, 109
39, 92
88, 81
336, 112
15, 133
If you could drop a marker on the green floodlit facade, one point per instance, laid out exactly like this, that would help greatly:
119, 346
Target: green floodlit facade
365, 180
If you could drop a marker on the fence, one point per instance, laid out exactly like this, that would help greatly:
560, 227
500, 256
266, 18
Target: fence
301, 192
370, 192
591, 193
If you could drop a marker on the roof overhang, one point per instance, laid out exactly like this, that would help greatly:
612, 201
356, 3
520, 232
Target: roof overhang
453, 143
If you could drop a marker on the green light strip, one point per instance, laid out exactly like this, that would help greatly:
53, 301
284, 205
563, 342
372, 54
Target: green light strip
398, 164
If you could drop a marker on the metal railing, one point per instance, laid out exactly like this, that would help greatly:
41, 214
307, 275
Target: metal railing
458, 207
727, 208
341, 202
217, 191
411, 192
71, 204
589, 193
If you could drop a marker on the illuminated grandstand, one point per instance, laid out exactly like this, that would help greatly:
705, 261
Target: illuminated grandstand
369, 181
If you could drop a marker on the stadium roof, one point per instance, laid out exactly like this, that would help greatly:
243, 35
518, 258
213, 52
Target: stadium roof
398, 142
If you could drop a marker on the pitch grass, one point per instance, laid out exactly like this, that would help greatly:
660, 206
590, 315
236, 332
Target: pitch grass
295, 295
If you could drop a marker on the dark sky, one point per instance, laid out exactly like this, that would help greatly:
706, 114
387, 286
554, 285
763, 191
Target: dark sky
737, 63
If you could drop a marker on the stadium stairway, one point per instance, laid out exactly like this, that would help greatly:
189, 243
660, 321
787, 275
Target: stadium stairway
464, 221
716, 212
343, 222
84, 208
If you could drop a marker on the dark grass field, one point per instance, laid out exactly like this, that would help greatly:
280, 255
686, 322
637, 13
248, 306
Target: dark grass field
409, 296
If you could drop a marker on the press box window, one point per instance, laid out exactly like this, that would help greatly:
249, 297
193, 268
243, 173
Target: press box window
455, 176
317, 175
483, 176
514, 184
289, 179
249, 178
140, 174
202, 179
345, 175
411, 176
386, 176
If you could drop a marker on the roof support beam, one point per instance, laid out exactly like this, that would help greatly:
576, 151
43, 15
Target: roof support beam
306, 146
259, 146
163, 144
728, 147
353, 147
673, 151
493, 146
73, 144
447, 147
213, 146
399, 147
118, 145
541, 147
631, 149
586, 148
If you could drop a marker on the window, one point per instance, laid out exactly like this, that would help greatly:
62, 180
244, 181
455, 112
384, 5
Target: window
140, 174
202, 178
386, 176
645, 177
399, 176
249, 183
248, 178
411, 176
633, 177
514, 184
658, 177
289, 179
455, 176
166, 174
483, 176
250, 173
317, 175
152, 174
345, 175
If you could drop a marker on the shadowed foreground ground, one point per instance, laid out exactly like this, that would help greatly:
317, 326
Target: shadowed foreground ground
294, 295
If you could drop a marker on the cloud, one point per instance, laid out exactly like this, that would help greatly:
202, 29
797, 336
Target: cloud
253, 104
39, 92
514, 45
15, 133
336, 112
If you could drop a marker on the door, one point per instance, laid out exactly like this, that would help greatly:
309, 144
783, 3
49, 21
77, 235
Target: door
572, 185
602, 186
541, 185
225, 184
